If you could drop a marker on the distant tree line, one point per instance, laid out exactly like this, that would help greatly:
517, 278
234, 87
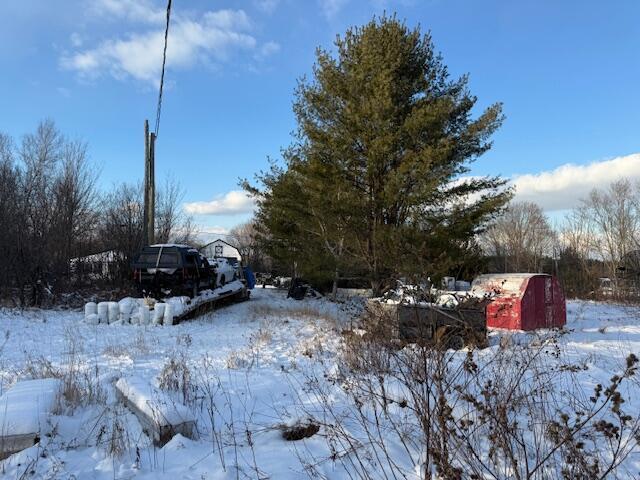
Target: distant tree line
598, 239
52, 211
595, 241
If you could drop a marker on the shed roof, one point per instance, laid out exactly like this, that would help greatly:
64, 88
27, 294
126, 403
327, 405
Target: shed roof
503, 283
219, 240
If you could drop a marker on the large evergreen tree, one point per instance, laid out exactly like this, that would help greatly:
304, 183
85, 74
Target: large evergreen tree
372, 181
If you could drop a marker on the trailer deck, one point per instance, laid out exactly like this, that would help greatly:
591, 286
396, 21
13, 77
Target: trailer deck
205, 305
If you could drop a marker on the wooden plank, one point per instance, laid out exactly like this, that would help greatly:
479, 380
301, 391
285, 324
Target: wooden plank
10, 444
159, 415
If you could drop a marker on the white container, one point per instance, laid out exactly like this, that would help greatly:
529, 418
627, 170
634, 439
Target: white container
158, 313
168, 314
126, 308
114, 312
145, 315
103, 312
92, 319
135, 318
90, 308
125, 318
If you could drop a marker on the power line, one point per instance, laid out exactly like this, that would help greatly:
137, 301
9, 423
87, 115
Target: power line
164, 60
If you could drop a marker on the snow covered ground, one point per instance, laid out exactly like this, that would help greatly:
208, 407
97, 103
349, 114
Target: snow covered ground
242, 371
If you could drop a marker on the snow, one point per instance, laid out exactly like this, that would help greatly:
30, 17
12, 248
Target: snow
154, 403
505, 283
249, 361
174, 245
24, 408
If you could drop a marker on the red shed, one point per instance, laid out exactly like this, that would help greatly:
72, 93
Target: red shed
523, 301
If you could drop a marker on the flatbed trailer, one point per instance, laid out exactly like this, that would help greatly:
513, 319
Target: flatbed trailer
201, 305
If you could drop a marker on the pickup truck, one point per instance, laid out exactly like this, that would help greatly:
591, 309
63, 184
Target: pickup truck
168, 269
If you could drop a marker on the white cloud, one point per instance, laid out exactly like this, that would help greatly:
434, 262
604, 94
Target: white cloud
267, 6
209, 39
76, 39
228, 19
233, 202
268, 49
215, 230
142, 11
563, 187
331, 7
207, 234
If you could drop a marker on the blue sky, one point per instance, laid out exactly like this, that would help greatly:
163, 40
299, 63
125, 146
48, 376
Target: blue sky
568, 73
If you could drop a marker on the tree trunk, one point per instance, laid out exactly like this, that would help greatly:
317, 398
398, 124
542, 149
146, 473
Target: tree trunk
334, 288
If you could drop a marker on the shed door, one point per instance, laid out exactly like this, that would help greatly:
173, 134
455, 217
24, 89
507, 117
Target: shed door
548, 302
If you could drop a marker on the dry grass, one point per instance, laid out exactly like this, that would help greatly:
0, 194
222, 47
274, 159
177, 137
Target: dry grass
236, 360
176, 377
456, 409
40, 367
252, 354
140, 345
262, 336
303, 311
112, 436
80, 382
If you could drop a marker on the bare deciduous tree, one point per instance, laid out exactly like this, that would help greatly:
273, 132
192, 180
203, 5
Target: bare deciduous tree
520, 238
48, 194
612, 216
246, 238
51, 213
172, 225
122, 221
121, 224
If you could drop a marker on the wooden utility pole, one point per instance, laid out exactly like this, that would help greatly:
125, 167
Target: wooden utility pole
151, 227
149, 185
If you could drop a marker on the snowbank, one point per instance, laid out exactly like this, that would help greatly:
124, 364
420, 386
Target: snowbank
24, 413
153, 402
25, 407
160, 415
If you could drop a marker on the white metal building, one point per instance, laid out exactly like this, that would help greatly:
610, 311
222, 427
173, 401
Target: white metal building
220, 248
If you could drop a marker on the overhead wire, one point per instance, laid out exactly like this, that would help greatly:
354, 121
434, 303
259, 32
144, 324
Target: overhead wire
164, 61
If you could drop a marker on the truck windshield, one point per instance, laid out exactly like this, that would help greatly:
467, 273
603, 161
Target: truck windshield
167, 259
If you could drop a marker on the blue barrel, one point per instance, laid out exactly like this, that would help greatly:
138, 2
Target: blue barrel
249, 277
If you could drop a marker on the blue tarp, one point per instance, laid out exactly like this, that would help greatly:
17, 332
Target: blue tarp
249, 277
